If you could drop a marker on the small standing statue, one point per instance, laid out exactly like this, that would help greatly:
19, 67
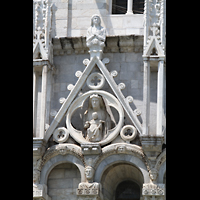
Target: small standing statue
96, 36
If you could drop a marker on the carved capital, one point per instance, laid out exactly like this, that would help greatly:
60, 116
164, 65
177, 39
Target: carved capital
152, 145
38, 146
150, 189
89, 191
40, 192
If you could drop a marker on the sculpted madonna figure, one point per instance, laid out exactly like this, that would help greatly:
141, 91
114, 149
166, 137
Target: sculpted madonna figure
96, 36
96, 119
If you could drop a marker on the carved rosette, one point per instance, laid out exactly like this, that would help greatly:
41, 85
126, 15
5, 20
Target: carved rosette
99, 78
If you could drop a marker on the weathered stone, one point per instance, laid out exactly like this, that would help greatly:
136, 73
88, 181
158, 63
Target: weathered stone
98, 100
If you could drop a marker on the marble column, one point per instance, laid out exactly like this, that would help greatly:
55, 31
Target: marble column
146, 97
43, 100
34, 101
160, 97
129, 7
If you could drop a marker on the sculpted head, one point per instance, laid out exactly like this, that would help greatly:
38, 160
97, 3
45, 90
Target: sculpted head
121, 149
95, 20
95, 101
89, 173
153, 174
95, 115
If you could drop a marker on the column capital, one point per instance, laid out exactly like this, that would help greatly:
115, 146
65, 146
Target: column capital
91, 191
151, 189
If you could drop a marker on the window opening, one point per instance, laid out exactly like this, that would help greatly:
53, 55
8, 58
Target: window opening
120, 6
138, 6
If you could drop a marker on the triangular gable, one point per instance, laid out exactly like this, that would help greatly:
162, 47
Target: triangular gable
79, 84
120, 96
153, 43
38, 49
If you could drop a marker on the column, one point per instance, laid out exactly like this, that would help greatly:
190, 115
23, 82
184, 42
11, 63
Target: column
146, 21
43, 100
146, 97
160, 97
129, 7
34, 101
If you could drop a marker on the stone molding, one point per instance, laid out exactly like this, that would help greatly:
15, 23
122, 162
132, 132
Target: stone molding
113, 44
62, 149
121, 148
160, 160
91, 149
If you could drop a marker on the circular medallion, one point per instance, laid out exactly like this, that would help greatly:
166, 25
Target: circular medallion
96, 122
61, 135
95, 81
128, 133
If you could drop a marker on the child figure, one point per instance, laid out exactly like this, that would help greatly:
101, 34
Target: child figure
94, 128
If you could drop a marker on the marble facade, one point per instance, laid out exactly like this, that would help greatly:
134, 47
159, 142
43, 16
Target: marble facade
98, 101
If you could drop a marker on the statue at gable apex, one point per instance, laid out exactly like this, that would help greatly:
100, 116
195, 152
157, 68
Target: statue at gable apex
96, 37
